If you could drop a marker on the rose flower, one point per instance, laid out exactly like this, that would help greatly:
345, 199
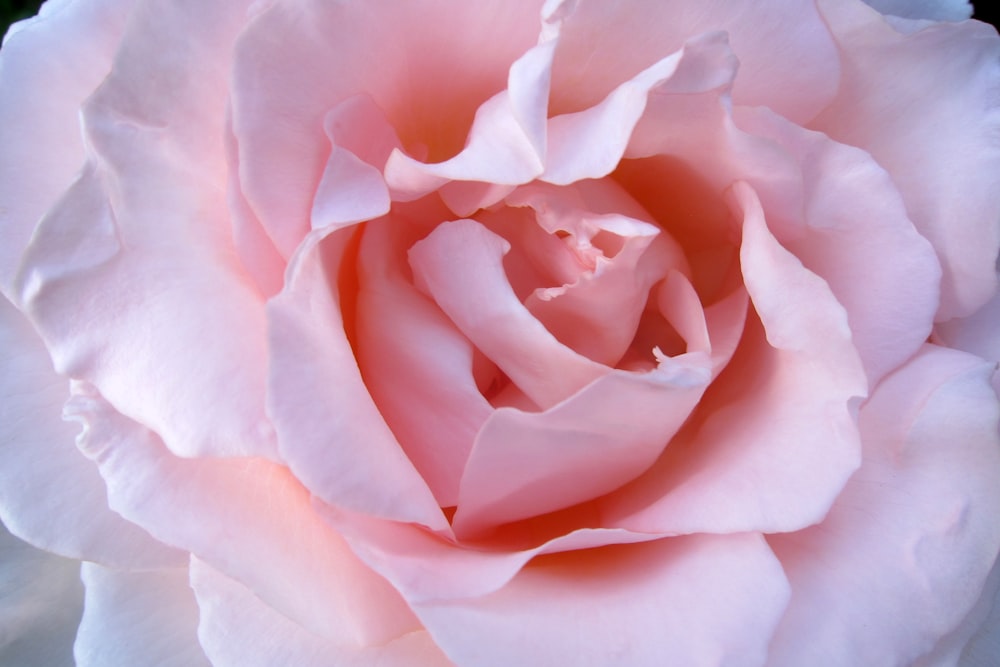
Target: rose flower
344, 332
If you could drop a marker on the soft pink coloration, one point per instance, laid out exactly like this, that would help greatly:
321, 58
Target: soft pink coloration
500, 333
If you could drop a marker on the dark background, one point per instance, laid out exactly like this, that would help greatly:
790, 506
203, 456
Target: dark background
15, 10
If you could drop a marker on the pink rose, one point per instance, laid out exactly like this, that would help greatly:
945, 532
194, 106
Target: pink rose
499, 333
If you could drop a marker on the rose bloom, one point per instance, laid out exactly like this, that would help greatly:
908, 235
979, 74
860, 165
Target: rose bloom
424, 333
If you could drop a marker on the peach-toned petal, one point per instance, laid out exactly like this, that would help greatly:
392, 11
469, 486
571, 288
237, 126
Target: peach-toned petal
230, 609
928, 113
138, 618
330, 432
460, 264
699, 600
40, 607
779, 439
775, 41
249, 517
406, 345
903, 555
50, 494
50, 64
298, 59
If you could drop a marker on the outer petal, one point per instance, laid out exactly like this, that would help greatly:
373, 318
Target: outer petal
903, 554
250, 518
978, 333
266, 638
138, 618
50, 64
51, 495
700, 601
929, 114
775, 41
41, 600
932, 10
132, 275
984, 645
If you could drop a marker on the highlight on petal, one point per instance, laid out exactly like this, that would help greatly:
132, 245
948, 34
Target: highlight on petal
229, 609
920, 138
687, 601
330, 431
352, 188
51, 495
40, 606
141, 618
904, 553
776, 438
250, 517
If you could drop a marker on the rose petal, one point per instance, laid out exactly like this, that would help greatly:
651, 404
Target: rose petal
775, 41
933, 10
778, 439
525, 464
590, 143
919, 138
460, 264
229, 609
914, 534
977, 333
130, 278
352, 188
685, 601
53, 61
249, 517
405, 343
330, 431
985, 644
297, 60
147, 618
50, 495
856, 224
40, 605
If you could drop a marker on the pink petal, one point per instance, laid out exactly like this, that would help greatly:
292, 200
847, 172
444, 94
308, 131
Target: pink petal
775, 41
41, 605
404, 345
139, 618
778, 440
856, 225
461, 266
907, 546
978, 333
53, 62
298, 60
51, 495
590, 143
330, 431
679, 601
352, 188
525, 464
928, 114
229, 609
249, 517
130, 278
